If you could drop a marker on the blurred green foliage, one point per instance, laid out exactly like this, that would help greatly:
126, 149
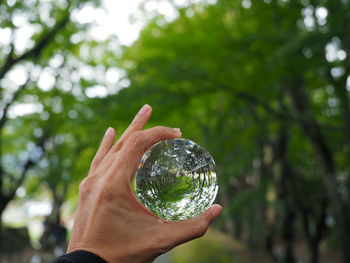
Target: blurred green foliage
263, 85
209, 248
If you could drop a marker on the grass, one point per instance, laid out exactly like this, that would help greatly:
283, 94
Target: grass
212, 247
175, 192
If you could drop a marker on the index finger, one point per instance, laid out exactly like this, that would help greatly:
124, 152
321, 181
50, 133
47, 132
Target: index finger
130, 155
137, 124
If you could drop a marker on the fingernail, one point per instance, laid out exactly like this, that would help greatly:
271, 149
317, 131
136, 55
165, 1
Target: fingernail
145, 108
108, 131
178, 131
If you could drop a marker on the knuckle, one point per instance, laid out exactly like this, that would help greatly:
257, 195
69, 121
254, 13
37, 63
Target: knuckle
101, 190
161, 249
135, 138
200, 228
162, 245
85, 187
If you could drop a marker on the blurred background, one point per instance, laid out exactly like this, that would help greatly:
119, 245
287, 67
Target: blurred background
263, 85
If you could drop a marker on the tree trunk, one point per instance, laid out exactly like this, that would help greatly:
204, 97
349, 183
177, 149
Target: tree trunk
302, 106
286, 194
54, 233
288, 236
314, 238
314, 249
3, 203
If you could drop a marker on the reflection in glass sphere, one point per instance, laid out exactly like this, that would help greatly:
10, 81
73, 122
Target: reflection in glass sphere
176, 179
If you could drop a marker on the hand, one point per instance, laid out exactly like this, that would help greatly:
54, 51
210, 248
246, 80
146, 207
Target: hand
110, 221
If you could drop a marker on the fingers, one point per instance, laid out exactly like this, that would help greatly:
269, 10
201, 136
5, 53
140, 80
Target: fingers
183, 231
137, 124
105, 146
136, 145
139, 121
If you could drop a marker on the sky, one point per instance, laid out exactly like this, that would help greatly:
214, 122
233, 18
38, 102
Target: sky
124, 19
112, 19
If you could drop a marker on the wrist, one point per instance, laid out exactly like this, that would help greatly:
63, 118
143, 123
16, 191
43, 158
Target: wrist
80, 256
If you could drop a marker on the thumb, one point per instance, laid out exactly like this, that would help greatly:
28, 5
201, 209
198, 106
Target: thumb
183, 231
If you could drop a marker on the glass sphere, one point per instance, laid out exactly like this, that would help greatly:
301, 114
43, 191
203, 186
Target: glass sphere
176, 179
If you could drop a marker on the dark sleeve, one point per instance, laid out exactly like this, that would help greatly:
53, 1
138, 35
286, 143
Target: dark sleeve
79, 257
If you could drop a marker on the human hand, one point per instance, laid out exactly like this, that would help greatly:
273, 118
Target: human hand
110, 221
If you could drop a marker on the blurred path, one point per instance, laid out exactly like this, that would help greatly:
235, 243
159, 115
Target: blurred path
218, 247
165, 258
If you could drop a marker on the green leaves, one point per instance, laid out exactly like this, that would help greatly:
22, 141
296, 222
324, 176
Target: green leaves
232, 76
225, 76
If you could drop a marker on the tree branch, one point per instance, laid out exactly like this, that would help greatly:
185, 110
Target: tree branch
280, 114
36, 51
8, 105
28, 164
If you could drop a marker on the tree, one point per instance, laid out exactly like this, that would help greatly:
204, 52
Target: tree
242, 76
22, 66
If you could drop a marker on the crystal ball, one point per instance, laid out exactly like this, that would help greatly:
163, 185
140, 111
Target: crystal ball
176, 179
